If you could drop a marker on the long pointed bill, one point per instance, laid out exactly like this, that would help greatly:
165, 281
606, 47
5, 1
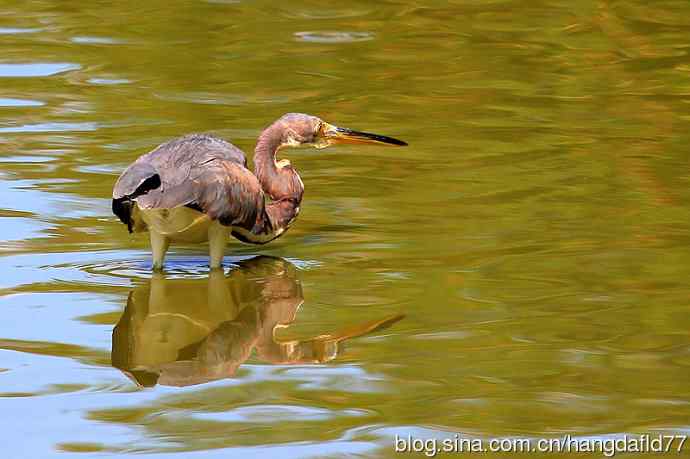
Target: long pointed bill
334, 134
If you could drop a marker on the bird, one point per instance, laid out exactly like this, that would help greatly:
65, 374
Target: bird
197, 188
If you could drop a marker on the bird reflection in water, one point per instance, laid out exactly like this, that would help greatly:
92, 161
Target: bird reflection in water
180, 332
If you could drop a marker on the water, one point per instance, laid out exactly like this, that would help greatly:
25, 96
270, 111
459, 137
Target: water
535, 235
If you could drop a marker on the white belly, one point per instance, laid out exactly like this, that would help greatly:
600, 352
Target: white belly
179, 224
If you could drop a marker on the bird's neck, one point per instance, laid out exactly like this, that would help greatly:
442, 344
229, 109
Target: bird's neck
278, 179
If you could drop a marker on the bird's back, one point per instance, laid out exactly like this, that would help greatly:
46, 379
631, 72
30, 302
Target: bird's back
176, 158
173, 167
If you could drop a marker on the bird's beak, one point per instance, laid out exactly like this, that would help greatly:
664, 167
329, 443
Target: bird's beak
333, 134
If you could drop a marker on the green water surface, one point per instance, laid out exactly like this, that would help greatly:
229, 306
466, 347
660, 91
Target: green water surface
535, 235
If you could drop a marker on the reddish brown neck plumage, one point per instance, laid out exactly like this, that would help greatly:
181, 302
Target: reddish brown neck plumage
278, 178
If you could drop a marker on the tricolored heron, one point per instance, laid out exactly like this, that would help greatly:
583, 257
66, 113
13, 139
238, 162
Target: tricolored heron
197, 188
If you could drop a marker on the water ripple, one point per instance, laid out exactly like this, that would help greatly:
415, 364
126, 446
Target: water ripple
197, 97
9, 102
17, 30
333, 36
277, 413
176, 267
50, 127
109, 267
36, 69
96, 40
108, 81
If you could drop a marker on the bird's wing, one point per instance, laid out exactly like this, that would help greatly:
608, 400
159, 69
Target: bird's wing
172, 166
191, 150
222, 189
173, 161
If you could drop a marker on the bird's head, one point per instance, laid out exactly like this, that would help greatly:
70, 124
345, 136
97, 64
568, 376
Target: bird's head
300, 129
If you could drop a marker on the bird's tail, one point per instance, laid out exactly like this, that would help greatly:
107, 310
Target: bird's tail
138, 179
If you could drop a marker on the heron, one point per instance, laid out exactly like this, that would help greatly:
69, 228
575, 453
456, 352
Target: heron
197, 188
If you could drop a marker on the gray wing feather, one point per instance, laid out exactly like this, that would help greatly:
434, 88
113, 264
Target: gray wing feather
193, 149
132, 179
222, 189
175, 159
198, 170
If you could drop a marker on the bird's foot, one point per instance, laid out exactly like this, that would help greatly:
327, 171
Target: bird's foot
157, 268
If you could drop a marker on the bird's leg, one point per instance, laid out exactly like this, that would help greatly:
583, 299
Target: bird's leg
217, 240
159, 245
